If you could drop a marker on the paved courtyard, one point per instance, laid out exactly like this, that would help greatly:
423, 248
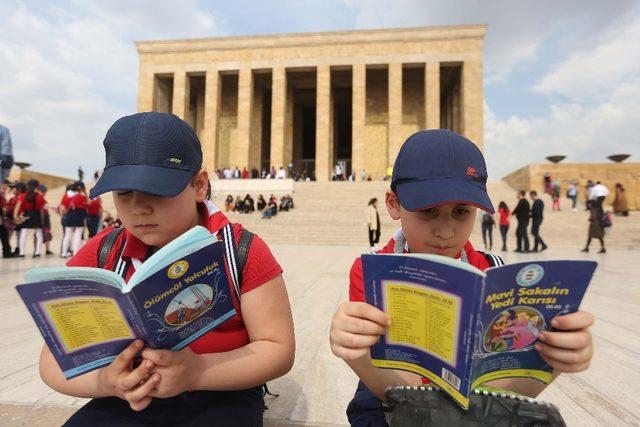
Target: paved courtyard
319, 387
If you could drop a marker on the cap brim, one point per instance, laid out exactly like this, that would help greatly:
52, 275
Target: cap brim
154, 180
416, 195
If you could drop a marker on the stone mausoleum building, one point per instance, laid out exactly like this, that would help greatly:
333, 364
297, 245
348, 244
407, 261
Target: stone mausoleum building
315, 99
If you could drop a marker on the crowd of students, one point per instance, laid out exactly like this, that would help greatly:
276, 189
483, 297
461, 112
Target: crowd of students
268, 208
273, 173
25, 211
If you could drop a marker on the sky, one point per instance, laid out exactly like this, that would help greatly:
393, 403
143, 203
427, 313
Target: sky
560, 77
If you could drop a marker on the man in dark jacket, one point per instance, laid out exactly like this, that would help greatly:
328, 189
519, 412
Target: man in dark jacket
536, 219
522, 213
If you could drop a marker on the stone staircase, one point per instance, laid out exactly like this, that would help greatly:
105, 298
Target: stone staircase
334, 213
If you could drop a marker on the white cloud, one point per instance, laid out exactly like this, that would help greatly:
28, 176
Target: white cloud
70, 70
590, 73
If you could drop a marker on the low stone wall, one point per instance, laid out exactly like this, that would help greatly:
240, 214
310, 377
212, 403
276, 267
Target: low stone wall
49, 180
531, 177
278, 187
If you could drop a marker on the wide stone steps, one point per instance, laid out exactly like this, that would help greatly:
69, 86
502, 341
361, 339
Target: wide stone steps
334, 213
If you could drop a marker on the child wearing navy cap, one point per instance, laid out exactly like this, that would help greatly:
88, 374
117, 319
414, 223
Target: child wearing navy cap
160, 190
438, 185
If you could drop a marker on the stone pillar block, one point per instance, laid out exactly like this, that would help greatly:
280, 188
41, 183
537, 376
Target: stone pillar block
472, 96
358, 112
210, 132
181, 92
146, 92
278, 113
395, 136
240, 153
324, 146
432, 95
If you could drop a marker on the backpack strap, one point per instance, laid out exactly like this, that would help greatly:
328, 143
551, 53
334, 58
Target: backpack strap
106, 245
236, 254
494, 260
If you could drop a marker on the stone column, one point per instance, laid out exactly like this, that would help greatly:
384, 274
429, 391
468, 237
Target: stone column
181, 92
146, 91
472, 95
324, 146
432, 95
394, 128
358, 111
240, 153
210, 131
278, 113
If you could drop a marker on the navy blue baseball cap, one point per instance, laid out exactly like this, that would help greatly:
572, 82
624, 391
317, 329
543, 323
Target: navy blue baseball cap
437, 167
154, 153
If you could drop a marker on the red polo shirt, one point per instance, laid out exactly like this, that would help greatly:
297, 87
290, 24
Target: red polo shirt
37, 204
94, 206
260, 267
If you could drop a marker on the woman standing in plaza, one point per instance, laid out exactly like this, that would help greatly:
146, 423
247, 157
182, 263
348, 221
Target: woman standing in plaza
373, 223
620, 205
596, 230
503, 222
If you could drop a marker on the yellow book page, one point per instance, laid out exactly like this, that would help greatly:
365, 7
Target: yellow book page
424, 318
85, 321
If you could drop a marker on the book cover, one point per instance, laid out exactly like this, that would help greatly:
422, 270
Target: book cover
87, 315
460, 327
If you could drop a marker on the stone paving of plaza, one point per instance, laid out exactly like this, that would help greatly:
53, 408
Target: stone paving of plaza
319, 387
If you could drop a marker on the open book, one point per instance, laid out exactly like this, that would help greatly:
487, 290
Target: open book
87, 316
459, 326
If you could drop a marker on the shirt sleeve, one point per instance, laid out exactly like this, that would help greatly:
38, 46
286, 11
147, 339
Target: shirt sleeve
261, 265
356, 282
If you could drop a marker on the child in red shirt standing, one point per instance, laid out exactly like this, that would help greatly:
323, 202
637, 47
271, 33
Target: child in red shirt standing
75, 216
160, 191
438, 184
30, 205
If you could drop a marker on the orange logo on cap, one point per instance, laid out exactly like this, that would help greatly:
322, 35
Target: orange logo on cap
472, 172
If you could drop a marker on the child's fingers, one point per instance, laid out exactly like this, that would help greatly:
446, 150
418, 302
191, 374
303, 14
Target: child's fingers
135, 377
141, 404
159, 357
562, 366
138, 394
564, 355
366, 311
568, 340
364, 327
349, 353
126, 356
578, 320
348, 340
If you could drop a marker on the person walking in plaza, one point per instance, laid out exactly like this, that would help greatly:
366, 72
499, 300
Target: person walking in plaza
596, 230
6, 153
4, 234
94, 216
373, 223
503, 222
589, 195
76, 214
522, 212
46, 230
31, 205
537, 208
487, 229
555, 195
620, 205
600, 192
572, 194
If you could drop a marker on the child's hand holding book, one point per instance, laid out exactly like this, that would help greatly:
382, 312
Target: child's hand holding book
356, 326
570, 347
134, 385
